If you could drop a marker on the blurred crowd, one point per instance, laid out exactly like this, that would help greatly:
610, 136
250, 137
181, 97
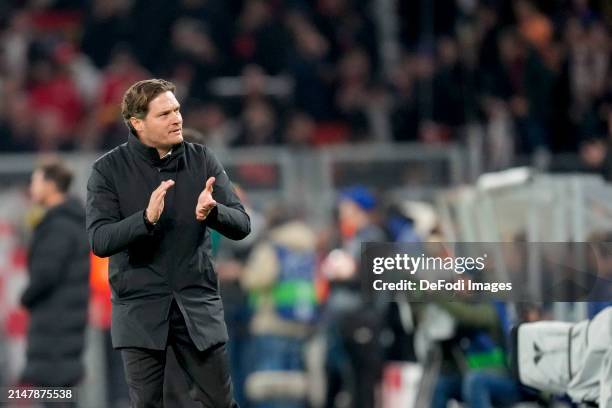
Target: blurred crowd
531, 75
306, 329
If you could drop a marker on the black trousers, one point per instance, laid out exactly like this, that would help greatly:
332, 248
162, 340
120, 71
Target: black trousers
207, 372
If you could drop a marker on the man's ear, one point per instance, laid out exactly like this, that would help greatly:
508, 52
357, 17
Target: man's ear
137, 123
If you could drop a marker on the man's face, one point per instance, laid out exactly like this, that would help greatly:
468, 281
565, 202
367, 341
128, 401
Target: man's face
40, 188
163, 126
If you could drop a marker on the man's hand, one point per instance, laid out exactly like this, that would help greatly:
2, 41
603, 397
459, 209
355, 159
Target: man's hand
156, 202
206, 201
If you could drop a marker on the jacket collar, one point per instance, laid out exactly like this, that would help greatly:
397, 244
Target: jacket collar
150, 154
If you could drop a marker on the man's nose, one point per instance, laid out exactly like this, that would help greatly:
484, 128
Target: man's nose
178, 118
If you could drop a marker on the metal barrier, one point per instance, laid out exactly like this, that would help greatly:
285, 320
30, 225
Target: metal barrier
534, 208
308, 178
542, 207
401, 171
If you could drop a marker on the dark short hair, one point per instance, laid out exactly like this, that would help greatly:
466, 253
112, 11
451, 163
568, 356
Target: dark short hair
136, 99
56, 171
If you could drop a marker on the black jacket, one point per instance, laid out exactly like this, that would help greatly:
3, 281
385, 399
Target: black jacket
57, 297
151, 266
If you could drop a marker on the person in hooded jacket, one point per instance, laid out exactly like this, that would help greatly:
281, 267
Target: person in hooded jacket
58, 291
150, 205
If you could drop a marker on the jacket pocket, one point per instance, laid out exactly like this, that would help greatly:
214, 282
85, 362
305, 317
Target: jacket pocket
207, 271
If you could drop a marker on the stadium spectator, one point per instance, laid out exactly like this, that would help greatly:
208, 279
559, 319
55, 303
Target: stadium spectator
299, 131
259, 124
280, 279
260, 38
351, 323
122, 70
56, 106
474, 367
231, 259
311, 68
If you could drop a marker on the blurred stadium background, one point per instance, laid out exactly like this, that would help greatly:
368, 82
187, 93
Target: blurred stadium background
447, 120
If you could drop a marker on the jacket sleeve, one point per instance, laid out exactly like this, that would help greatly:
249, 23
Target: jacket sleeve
108, 233
228, 217
53, 248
